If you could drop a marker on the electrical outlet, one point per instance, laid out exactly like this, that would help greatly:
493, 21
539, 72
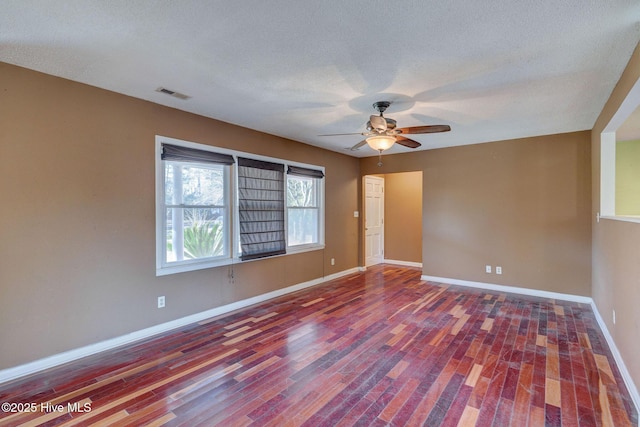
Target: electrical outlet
356, 214
333, 261
161, 302
487, 268
498, 270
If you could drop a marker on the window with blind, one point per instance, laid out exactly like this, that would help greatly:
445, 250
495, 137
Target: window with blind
304, 200
218, 206
195, 206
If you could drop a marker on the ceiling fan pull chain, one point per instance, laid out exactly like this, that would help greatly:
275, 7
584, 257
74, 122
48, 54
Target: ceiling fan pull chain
379, 157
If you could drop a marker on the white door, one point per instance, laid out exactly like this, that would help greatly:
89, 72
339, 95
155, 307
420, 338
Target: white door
374, 220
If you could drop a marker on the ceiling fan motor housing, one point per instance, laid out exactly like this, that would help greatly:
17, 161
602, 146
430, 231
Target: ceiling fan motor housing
380, 123
380, 106
377, 123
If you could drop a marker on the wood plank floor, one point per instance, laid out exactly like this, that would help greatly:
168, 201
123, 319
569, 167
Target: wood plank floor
375, 348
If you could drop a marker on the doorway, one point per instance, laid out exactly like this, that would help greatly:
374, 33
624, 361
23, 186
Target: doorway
392, 219
374, 220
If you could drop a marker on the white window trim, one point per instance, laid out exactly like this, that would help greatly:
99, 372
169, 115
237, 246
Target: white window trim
233, 239
163, 205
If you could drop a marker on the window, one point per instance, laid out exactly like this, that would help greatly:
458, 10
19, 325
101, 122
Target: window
216, 206
194, 204
303, 206
196, 217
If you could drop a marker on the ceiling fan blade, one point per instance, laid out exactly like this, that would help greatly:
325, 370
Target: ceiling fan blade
425, 129
358, 145
407, 142
378, 123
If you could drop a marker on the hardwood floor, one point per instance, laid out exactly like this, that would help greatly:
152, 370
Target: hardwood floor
374, 348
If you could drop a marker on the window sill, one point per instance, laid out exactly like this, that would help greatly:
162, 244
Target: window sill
304, 248
183, 268
627, 218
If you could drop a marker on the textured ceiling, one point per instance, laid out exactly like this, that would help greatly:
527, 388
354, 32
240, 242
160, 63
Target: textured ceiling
492, 70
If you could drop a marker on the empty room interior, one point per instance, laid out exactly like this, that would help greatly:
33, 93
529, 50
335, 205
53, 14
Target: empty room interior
322, 214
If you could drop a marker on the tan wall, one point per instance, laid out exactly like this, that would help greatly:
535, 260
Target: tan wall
628, 178
403, 216
521, 204
616, 267
77, 218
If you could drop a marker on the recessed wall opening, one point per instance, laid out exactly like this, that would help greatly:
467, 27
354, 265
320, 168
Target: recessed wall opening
620, 161
393, 219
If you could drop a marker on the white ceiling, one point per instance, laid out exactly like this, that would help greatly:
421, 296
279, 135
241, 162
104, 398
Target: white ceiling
492, 70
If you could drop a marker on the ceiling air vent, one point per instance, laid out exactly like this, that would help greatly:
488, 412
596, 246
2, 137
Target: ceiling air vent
172, 93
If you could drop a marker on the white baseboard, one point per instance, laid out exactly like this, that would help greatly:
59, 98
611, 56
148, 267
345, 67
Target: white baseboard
626, 376
16, 372
512, 289
396, 262
405, 263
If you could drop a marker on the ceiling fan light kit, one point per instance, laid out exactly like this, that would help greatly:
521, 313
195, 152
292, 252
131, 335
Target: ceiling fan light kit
381, 142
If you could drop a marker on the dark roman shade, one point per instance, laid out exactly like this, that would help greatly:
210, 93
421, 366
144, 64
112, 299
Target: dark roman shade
185, 154
261, 208
310, 173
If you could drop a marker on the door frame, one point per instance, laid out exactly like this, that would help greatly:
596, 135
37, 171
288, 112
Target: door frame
364, 225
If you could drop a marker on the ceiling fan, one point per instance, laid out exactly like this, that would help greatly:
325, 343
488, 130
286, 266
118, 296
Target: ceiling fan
382, 132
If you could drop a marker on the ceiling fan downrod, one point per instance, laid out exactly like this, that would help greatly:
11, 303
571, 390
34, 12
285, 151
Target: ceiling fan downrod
381, 106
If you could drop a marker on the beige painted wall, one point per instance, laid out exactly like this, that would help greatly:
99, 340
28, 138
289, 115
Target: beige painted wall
521, 204
616, 262
628, 178
77, 218
403, 216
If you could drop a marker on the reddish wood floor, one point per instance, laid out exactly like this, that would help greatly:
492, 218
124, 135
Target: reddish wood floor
374, 348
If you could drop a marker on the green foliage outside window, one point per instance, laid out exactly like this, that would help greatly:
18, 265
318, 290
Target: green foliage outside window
203, 239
